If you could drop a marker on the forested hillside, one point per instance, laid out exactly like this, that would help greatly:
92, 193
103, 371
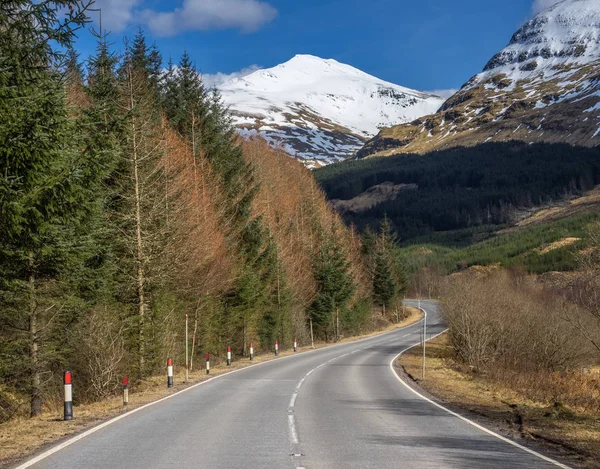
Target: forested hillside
464, 188
127, 202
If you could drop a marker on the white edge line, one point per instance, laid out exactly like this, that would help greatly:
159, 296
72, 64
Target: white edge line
464, 419
70, 441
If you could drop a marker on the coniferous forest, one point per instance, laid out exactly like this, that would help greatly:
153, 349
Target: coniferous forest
464, 188
127, 201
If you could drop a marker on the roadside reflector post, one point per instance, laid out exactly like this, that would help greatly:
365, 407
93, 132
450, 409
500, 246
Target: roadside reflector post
68, 414
295, 345
169, 373
276, 347
207, 364
228, 356
251, 352
125, 391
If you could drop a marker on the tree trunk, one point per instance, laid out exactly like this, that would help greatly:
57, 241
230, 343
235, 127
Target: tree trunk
194, 340
138, 232
35, 393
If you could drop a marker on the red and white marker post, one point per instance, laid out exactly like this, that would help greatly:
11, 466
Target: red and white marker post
207, 363
228, 356
295, 345
125, 391
276, 347
169, 373
251, 352
68, 414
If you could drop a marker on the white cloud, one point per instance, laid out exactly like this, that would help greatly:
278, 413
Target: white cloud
443, 93
116, 14
216, 79
541, 5
194, 15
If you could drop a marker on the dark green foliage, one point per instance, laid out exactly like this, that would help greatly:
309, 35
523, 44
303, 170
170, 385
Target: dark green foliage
385, 279
48, 196
384, 284
354, 319
464, 187
335, 287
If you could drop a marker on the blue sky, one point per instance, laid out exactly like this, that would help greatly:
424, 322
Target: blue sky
424, 44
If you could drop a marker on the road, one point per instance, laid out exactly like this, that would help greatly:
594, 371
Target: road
337, 407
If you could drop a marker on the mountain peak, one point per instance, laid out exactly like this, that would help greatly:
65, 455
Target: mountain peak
320, 109
566, 33
544, 86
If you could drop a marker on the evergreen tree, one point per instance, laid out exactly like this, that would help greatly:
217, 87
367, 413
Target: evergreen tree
335, 287
385, 285
46, 190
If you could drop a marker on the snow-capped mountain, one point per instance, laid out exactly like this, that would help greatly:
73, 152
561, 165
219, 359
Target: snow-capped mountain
320, 110
543, 87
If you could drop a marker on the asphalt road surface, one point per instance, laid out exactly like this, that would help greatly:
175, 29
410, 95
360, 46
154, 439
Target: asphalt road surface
338, 407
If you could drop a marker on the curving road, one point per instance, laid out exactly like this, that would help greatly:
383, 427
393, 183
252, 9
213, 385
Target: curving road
338, 407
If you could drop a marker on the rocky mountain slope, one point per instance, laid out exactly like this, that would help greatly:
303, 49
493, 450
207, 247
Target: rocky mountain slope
320, 110
543, 87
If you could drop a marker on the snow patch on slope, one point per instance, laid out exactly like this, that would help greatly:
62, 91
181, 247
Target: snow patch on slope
321, 109
560, 38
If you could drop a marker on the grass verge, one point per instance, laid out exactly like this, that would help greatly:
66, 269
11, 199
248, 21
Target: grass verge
566, 433
23, 437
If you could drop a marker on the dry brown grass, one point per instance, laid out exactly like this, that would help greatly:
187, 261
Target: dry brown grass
22, 437
570, 430
557, 245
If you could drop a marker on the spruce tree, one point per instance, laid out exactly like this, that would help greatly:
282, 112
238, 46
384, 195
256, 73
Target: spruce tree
46, 190
335, 286
385, 285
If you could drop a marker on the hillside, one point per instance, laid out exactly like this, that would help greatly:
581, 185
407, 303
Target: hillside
486, 187
320, 110
543, 87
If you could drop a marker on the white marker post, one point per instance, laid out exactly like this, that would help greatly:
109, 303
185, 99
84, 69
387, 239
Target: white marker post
68, 413
251, 351
295, 345
276, 348
228, 356
169, 373
207, 364
125, 391
187, 359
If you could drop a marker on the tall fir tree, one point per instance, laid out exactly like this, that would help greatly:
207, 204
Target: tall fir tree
385, 284
335, 287
47, 192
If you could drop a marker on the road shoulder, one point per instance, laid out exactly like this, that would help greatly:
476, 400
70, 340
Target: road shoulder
559, 433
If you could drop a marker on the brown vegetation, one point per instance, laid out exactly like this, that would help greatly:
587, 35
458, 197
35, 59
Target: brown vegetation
565, 432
